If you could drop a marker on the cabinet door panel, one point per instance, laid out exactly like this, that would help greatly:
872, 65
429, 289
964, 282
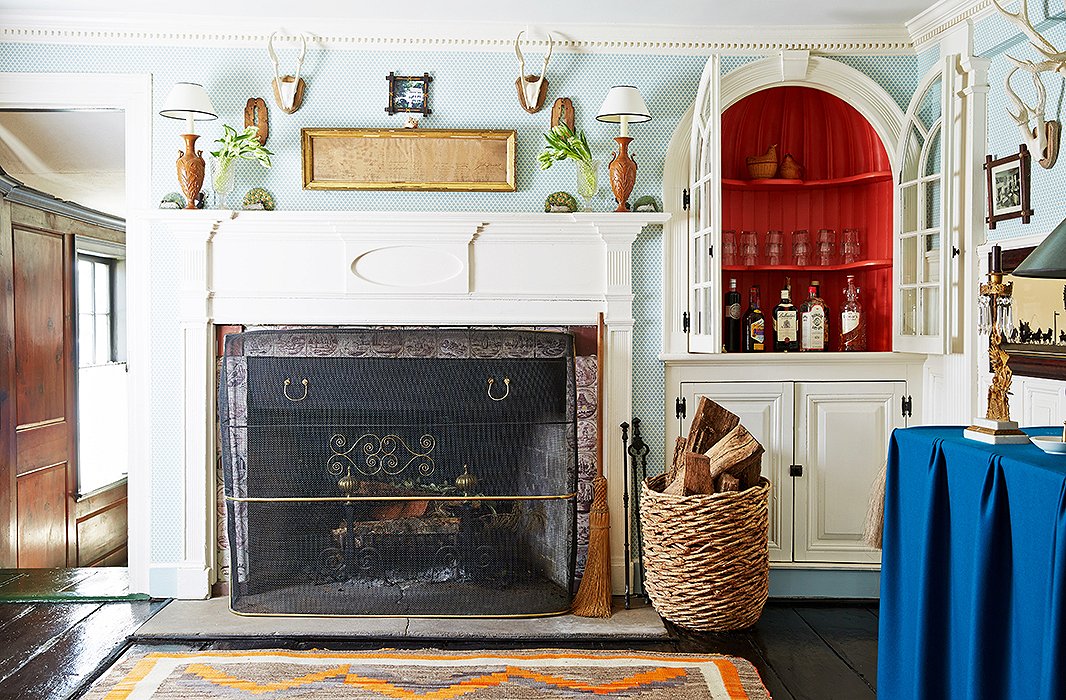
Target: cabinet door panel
765, 409
841, 441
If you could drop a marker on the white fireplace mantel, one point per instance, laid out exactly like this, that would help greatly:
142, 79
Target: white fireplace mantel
433, 268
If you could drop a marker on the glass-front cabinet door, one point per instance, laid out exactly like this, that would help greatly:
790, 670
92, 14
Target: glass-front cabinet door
923, 268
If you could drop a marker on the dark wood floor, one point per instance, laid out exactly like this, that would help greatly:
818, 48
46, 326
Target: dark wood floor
98, 583
812, 650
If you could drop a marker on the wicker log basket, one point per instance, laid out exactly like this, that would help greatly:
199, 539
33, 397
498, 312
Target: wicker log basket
707, 558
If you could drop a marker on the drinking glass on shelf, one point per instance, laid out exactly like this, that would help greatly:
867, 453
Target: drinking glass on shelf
774, 247
749, 248
851, 246
827, 246
801, 247
729, 247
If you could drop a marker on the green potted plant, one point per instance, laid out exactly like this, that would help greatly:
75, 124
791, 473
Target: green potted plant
233, 146
564, 143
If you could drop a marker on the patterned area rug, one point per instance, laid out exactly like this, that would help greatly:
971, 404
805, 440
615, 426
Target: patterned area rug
430, 675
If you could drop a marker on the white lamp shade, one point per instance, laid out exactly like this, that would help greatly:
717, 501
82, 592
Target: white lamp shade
188, 101
623, 101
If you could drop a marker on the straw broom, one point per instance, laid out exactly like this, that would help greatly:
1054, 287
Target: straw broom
593, 597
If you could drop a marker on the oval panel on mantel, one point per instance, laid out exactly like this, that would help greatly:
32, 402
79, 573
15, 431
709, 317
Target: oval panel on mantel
407, 266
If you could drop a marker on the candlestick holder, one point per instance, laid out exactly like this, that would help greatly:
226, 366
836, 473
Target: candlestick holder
996, 427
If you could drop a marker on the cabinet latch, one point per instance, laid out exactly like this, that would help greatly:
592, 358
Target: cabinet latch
795, 470
907, 406
686, 200
680, 408
685, 322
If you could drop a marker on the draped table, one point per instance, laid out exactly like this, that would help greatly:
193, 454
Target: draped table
973, 573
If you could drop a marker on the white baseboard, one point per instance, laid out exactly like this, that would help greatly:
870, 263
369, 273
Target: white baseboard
172, 580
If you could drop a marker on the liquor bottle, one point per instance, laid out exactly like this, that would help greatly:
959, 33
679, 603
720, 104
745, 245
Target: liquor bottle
754, 324
852, 320
814, 322
786, 326
733, 331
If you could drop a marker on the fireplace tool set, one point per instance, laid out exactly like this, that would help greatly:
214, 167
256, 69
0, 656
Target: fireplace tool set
634, 453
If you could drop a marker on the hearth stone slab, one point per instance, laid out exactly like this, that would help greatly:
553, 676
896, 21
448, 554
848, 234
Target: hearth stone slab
212, 619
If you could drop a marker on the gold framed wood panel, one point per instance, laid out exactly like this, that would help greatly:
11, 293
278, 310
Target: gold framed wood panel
441, 160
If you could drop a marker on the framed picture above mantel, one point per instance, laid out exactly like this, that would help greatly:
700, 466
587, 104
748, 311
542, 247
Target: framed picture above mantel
456, 160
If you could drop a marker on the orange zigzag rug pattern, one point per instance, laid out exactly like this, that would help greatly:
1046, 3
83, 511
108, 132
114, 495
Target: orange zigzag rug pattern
429, 675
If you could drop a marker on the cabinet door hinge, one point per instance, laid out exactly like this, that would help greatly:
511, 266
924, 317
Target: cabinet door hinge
795, 470
685, 322
908, 405
686, 200
680, 407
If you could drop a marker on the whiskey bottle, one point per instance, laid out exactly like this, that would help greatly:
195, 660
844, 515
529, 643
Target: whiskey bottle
733, 331
852, 320
754, 324
814, 322
786, 326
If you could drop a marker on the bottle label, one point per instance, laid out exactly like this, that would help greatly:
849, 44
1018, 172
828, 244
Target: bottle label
814, 329
785, 326
757, 332
849, 321
733, 311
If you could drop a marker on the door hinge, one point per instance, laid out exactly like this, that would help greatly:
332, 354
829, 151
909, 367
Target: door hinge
680, 408
795, 470
907, 406
710, 251
954, 252
685, 322
686, 200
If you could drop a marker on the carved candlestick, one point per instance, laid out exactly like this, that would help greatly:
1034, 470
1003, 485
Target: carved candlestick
997, 427
623, 171
190, 170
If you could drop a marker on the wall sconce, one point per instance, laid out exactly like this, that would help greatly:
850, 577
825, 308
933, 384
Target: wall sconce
623, 105
189, 101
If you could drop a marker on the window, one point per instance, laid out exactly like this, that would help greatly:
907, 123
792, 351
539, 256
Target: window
96, 333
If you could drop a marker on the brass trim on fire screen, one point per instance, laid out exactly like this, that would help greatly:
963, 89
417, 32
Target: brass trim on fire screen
427, 497
512, 616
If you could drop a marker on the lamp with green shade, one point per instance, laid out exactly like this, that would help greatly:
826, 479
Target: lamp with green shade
1048, 260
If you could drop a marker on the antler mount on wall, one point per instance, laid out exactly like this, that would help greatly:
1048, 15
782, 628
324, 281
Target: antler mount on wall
532, 89
1039, 134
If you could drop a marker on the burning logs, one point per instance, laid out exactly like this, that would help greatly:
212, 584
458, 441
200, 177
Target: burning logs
718, 455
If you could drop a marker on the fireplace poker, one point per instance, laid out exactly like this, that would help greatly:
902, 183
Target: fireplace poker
625, 505
638, 450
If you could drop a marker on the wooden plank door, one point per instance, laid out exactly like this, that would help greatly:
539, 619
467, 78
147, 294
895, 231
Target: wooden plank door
40, 302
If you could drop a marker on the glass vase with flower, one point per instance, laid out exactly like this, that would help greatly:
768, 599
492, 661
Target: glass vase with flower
564, 143
233, 146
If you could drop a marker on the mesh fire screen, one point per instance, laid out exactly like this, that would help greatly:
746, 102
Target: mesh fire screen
399, 471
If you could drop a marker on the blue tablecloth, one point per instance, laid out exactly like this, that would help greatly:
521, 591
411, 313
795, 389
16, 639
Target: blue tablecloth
973, 573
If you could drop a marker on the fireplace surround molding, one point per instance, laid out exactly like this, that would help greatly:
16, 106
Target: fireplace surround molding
392, 268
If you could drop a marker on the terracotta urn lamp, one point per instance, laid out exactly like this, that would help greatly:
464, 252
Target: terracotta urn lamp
623, 105
189, 101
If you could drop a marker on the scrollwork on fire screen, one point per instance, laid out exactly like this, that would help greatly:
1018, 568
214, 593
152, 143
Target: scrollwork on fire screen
371, 454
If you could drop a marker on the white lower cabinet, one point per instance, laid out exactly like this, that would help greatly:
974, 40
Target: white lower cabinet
825, 443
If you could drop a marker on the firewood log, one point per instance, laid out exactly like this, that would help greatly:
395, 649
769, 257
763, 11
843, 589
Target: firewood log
728, 482
694, 477
733, 452
710, 423
677, 462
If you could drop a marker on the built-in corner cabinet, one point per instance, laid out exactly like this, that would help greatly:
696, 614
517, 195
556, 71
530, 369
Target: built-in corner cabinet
824, 417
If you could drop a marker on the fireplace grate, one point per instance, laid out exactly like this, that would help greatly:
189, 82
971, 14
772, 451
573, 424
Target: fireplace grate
400, 471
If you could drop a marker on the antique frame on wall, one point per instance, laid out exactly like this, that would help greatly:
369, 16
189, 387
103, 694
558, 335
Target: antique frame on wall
449, 160
1007, 186
409, 93
1031, 356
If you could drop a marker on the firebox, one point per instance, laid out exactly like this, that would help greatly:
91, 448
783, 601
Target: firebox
400, 471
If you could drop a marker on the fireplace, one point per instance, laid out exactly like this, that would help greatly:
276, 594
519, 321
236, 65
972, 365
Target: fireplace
400, 471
